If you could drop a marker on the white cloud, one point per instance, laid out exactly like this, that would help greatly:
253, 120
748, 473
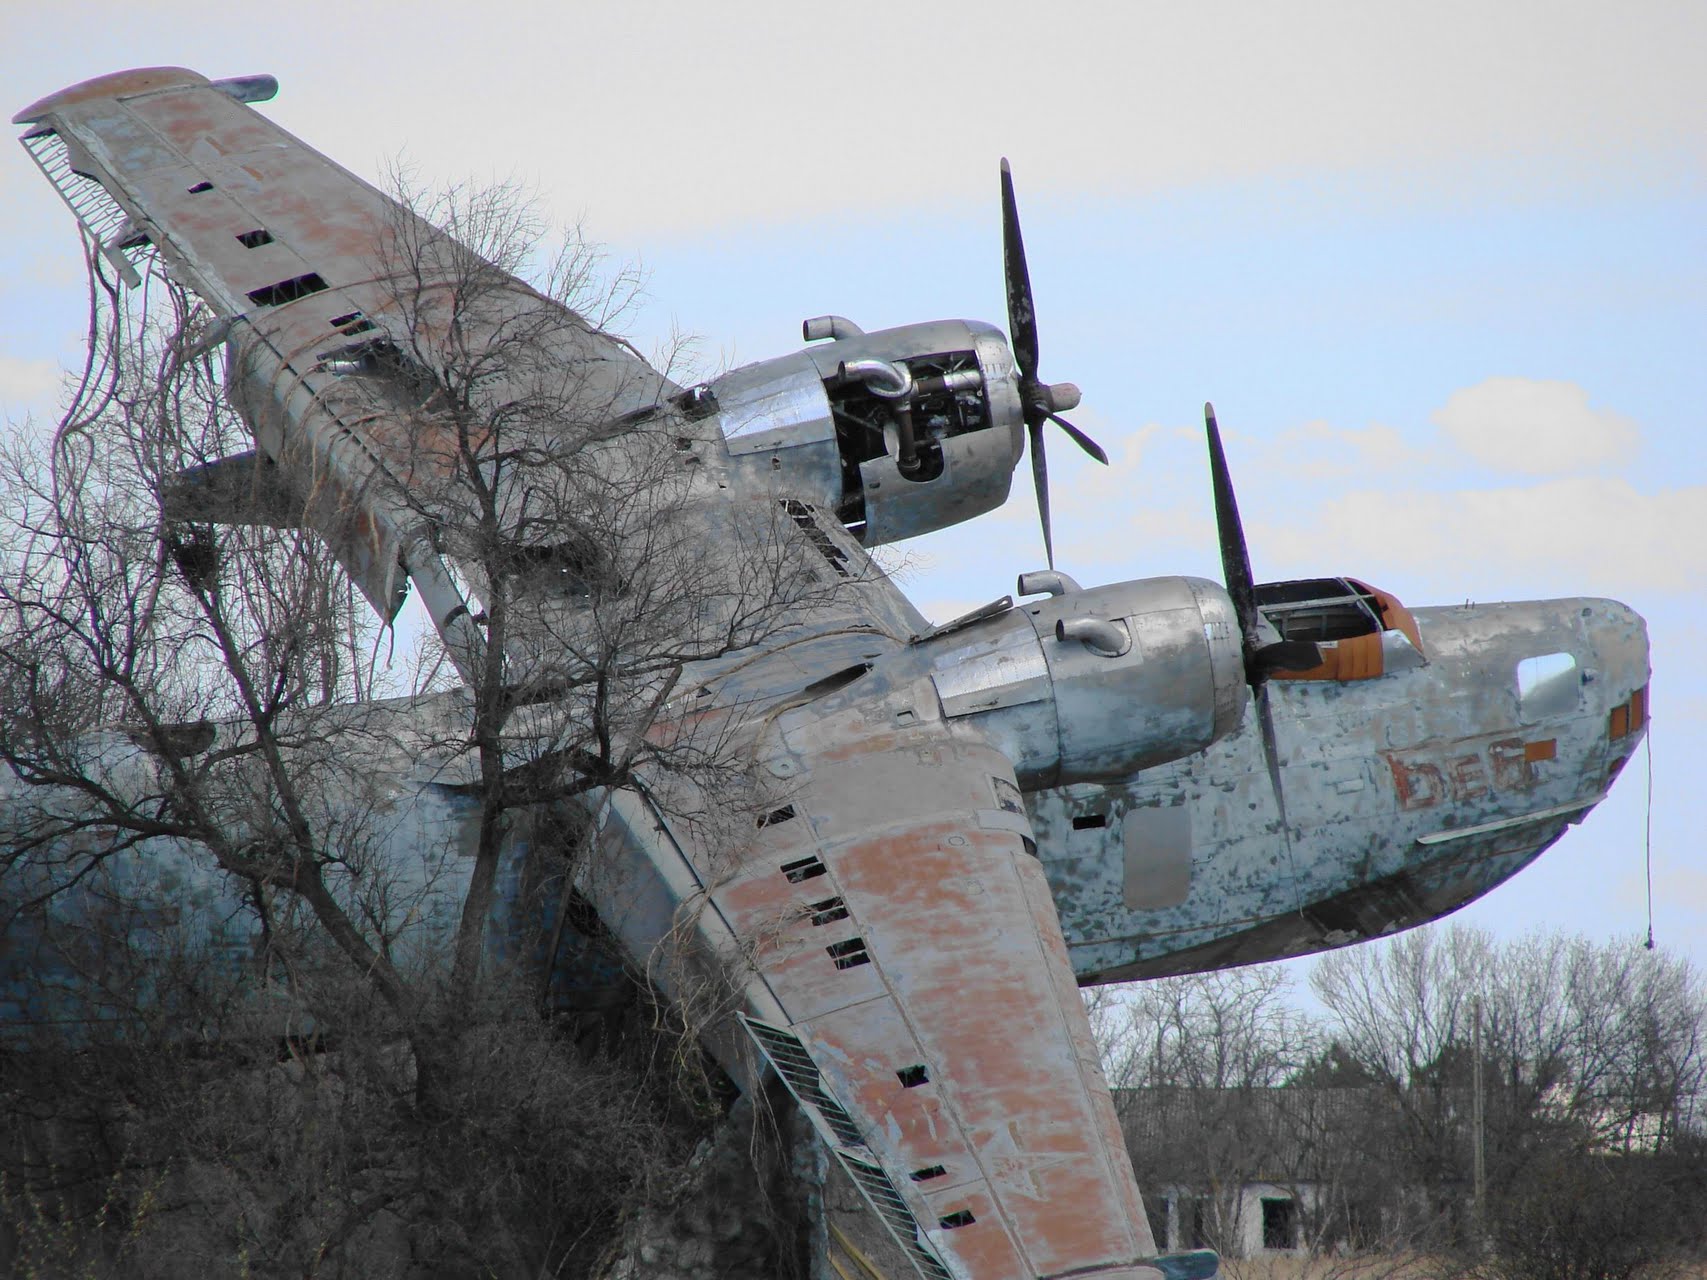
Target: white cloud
1318, 450
670, 117
1576, 534
1535, 427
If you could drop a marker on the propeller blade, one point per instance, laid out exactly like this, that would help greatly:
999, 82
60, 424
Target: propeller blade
1271, 758
1040, 477
1081, 439
1261, 660
1235, 556
1022, 314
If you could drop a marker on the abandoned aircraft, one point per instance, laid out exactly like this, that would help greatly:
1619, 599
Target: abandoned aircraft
964, 822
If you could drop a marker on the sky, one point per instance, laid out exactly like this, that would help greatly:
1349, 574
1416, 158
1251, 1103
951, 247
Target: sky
1442, 268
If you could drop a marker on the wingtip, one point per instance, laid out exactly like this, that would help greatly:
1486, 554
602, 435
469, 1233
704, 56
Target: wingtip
117, 84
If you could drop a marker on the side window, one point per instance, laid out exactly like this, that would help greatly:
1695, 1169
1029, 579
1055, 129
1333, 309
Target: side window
1547, 685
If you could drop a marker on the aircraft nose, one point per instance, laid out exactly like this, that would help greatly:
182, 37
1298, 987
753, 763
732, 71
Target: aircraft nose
1619, 638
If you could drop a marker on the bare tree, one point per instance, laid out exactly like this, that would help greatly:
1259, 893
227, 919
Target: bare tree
1197, 1064
192, 774
1576, 1067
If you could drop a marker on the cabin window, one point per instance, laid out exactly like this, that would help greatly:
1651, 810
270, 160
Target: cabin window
1547, 685
828, 911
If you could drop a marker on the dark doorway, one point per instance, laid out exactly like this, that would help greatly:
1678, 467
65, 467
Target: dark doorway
1279, 1224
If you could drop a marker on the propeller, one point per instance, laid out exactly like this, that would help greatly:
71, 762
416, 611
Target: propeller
1262, 658
1040, 402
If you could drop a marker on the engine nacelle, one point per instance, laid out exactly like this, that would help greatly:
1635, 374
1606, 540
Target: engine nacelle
1093, 685
898, 432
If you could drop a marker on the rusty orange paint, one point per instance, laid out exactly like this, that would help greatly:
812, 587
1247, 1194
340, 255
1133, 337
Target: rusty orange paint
969, 978
1354, 658
1362, 657
1394, 615
1545, 749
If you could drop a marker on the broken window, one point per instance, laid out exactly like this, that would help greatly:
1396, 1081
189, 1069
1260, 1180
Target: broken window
1193, 1221
352, 323
283, 291
1359, 632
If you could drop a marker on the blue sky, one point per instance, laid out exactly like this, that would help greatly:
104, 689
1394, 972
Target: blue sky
1440, 267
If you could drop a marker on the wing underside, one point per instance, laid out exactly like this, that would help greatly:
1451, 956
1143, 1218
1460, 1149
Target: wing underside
935, 1032
313, 278
902, 965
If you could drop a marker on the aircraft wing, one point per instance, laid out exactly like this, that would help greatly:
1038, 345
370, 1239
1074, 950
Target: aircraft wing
934, 1031
902, 964
310, 271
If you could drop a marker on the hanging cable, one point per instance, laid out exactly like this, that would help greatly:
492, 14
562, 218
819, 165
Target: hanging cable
1648, 831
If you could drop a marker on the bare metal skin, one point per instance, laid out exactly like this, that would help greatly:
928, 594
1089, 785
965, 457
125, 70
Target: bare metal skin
1141, 778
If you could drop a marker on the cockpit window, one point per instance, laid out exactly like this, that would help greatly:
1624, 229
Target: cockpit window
1361, 632
1547, 685
1319, 609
